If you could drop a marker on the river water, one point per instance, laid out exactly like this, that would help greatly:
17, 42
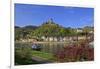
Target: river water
44, 47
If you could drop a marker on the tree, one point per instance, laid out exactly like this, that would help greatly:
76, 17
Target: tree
86, 31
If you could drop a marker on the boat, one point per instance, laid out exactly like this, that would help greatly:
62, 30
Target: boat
36, 47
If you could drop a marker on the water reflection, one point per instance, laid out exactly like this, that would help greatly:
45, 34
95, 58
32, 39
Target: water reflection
44, 47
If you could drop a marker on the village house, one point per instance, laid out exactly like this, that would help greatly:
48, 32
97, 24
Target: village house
61, 39
79, 30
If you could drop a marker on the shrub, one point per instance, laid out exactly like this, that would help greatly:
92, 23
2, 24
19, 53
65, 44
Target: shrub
23, 56
75, 53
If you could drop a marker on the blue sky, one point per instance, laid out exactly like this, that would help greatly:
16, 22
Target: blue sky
29, 14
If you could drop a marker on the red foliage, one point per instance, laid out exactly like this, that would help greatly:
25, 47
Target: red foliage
75, 53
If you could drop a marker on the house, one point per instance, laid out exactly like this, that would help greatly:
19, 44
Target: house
55, 39
79, 30
66, 38
51, 38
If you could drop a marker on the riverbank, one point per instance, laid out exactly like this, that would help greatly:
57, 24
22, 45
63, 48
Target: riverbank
42, 42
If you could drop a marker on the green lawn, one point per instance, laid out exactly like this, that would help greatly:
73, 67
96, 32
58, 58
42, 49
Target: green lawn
43, 55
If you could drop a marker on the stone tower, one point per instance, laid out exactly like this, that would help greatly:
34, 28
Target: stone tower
50, 21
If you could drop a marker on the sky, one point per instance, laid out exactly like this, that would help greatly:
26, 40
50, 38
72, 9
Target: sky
30, 14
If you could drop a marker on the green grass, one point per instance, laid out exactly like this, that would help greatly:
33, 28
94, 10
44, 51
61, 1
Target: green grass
47, 56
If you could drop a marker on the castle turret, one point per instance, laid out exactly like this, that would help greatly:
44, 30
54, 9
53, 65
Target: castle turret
50, 21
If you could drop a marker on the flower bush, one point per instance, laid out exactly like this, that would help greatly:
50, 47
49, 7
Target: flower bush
75, 53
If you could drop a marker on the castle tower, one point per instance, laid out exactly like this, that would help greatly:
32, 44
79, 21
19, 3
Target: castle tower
50, 21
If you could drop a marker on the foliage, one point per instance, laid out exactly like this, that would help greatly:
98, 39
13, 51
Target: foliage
24, 32
75, 53
23, 55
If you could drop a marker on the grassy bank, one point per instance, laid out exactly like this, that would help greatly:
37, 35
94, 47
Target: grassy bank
43, 55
